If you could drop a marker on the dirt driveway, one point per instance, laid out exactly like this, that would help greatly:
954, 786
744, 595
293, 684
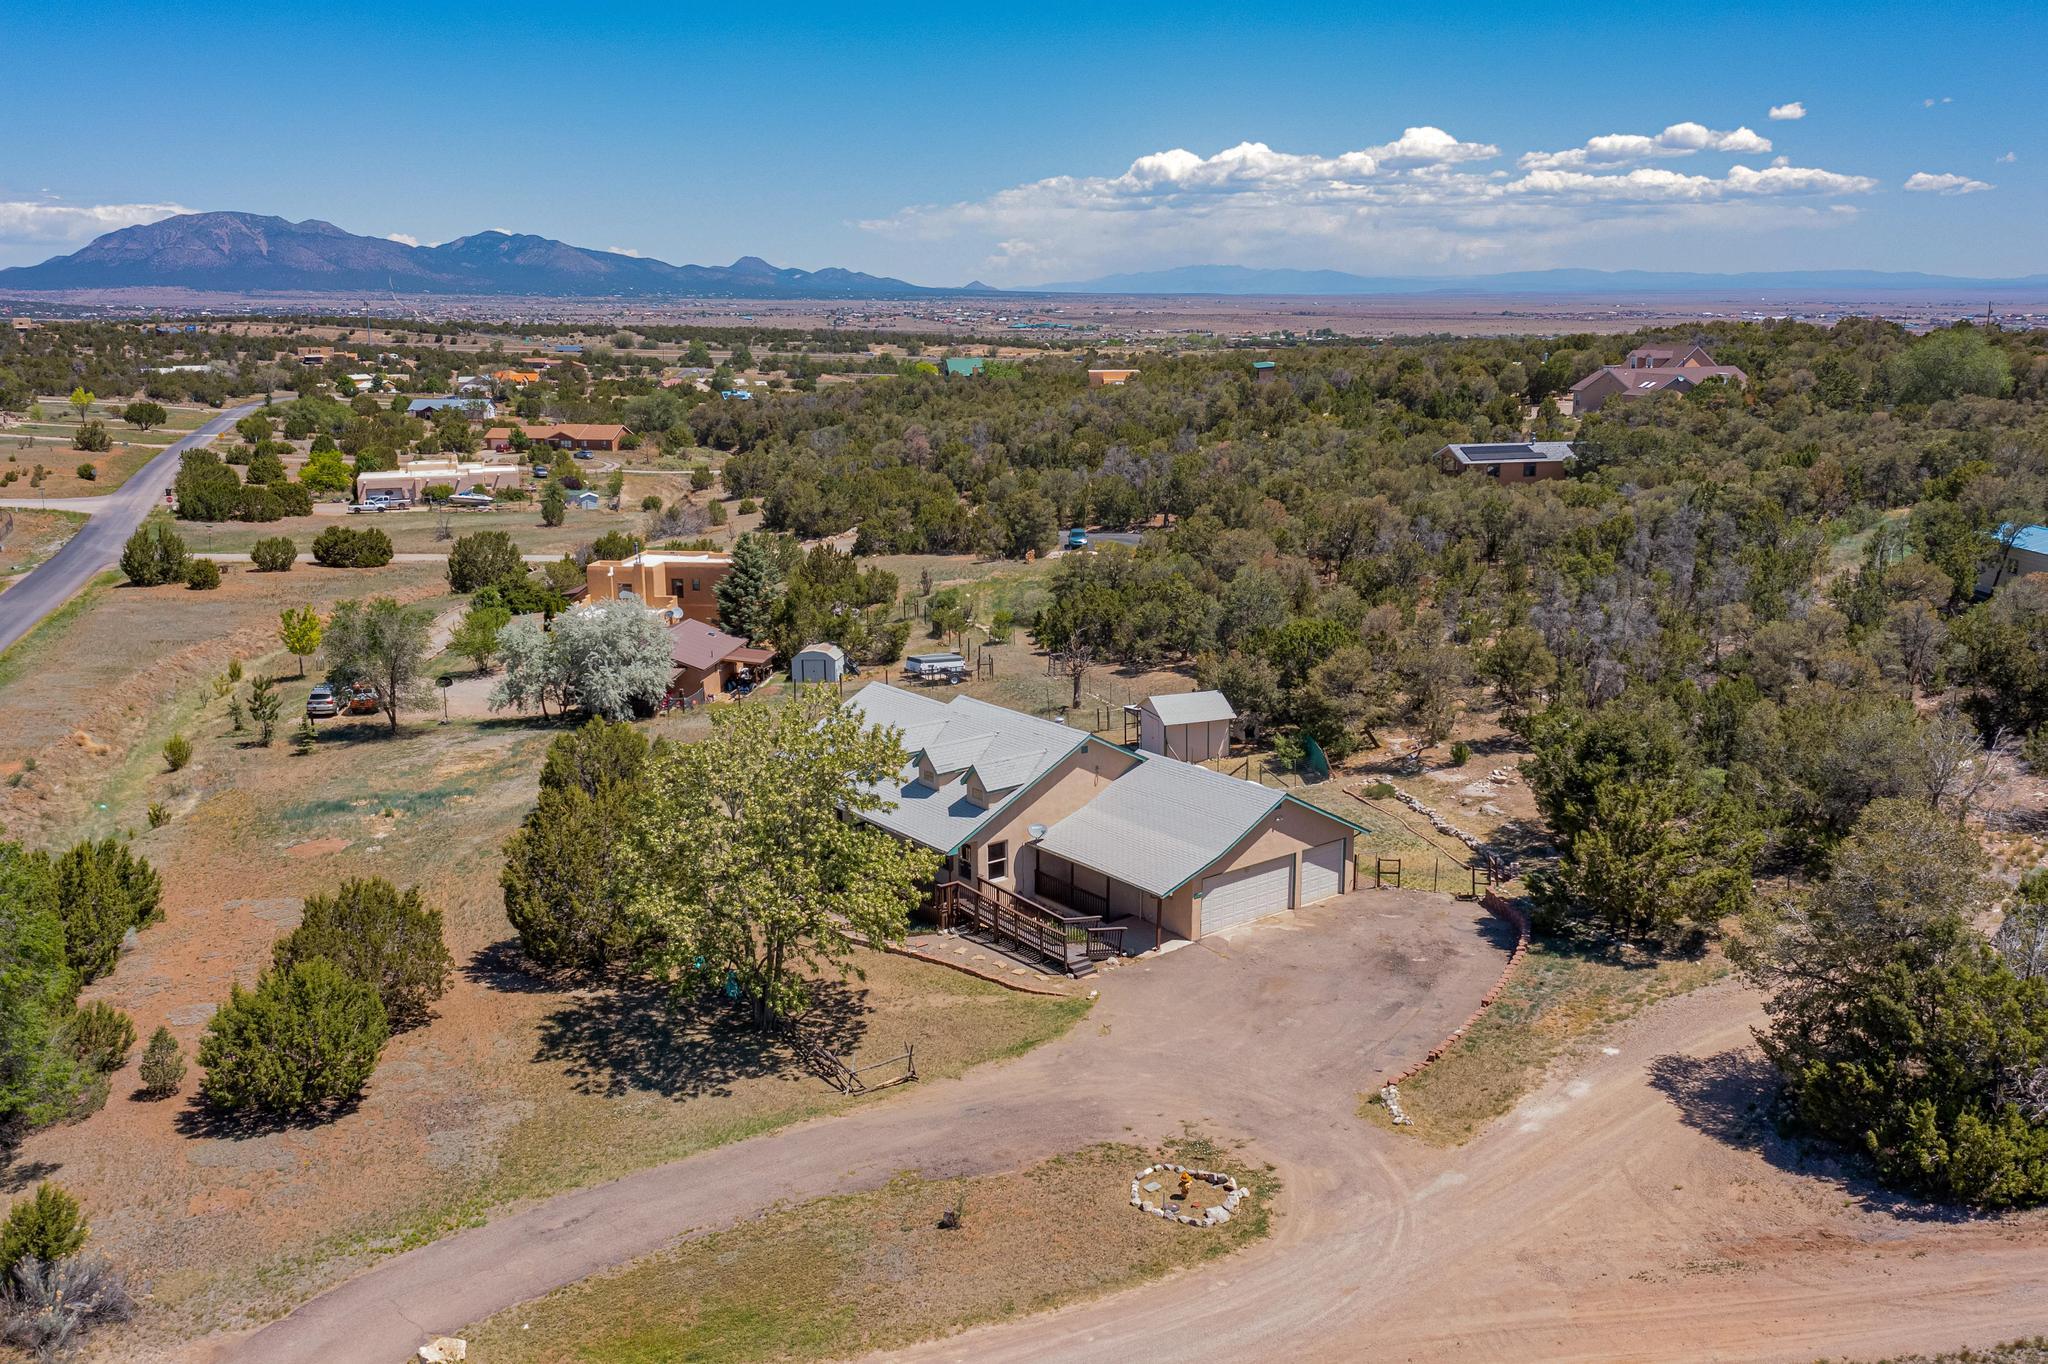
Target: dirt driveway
1264, 1035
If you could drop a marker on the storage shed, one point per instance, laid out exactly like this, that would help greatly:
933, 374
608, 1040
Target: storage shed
1191, 726
817, 663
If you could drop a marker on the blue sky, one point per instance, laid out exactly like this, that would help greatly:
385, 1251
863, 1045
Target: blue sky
1035, 142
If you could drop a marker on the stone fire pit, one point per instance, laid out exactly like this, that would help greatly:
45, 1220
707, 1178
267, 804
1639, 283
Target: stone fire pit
1153, 1195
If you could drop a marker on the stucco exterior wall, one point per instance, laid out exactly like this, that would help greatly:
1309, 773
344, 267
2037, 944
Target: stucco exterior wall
1078, 778
1289, 831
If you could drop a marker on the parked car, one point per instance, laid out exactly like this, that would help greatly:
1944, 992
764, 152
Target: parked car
583, 454
927, 665
364, 699
368, 506
1077, 538
540, 471
322, 703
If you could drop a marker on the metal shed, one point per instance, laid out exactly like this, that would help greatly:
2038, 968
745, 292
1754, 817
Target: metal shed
817, 663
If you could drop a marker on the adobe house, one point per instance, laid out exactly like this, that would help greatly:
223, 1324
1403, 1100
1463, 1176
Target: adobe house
1054, 821
608, 436
1110, 378
1509, 461
709, 660
412, 480
680, 581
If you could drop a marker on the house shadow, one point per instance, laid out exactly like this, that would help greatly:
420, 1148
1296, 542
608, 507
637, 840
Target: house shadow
640, 1038
1734, 1098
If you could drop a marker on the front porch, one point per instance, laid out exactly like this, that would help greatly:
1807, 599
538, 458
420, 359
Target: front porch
1028, 931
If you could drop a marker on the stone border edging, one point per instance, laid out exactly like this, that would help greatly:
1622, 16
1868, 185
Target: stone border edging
1501, 908
1234, 1194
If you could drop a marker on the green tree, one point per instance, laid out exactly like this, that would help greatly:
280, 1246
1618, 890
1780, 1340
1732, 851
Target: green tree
37, 985
476, 638
613, 544
327, 472
486, 557
564, 891
103, 890
206, 489
300, 631
1519, 665
202, 575
1948, 364
93, 437
265, 701
143, 415
163, 1064
81, 401
46, 1226
383, 643
99, 1037
375, 933
343, 547
554, 505
749, 855
303, 1038
746, 595
154, 555
1898, 1029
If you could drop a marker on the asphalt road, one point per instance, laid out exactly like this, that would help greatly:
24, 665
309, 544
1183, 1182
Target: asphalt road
97, 545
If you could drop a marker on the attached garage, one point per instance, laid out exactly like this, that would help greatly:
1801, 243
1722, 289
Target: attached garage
1322, 871
1238, 897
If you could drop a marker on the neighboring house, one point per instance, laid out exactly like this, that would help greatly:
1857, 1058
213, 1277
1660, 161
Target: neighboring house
739, 394
1192, 726
482, 408
585, 498
23, 324
563, 436
1650, 370
1509, 461
319, 355
965, 366
709, 660
1057, 815
1265, 370
516, 378
2024, 551
410, 480
1110, 378
684, 581
817, 663
473, 385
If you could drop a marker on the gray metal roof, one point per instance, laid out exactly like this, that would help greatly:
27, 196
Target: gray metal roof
1191, 707
1520, 452
1161, 823
1006, 749
829, 650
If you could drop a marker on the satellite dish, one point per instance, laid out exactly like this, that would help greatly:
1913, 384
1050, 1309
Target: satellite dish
1037, 831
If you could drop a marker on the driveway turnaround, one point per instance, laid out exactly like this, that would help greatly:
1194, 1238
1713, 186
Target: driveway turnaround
97, 546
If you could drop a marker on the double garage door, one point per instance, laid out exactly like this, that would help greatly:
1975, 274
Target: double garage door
1237, 897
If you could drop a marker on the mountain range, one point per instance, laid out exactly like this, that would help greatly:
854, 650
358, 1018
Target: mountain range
1239, 279
245, 253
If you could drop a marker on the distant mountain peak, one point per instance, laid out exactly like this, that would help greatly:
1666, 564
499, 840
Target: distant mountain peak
229, 252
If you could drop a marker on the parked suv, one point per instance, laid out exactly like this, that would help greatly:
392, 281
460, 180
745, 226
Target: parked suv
322, 703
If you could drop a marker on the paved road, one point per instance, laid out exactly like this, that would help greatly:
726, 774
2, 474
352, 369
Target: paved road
97, 545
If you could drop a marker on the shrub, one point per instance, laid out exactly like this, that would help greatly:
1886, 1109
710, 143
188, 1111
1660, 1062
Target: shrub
615, 544
103, 890
483, 558
93, 436
207, 490
158, 814
177, 752
554, 507
202, 575
154, 555
292, 499
163, 1064
389, 940
87, 472
51, 1304
274, 554
343, 547
302, 1038
255, 502
1461, 753
650, 503
700, 477
716, 511
748, 506
437, 492
99, 1037
264, 704
45, 1226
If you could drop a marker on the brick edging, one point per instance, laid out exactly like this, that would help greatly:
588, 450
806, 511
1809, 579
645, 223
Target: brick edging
1501, 908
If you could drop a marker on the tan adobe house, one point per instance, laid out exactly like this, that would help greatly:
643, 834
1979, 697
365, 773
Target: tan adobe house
1650, 370
681, 581
563, 436
411, 480
1056, 821
1509, 461
1110, 378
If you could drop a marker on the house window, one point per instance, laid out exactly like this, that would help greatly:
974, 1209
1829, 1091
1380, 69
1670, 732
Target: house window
1528, 471
696, 584
998, 860
675, 587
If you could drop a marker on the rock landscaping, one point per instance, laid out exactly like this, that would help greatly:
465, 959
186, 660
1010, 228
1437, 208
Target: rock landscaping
1213, 1216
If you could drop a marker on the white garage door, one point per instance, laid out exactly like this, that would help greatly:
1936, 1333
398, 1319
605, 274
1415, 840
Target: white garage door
1322, 872
1238, 897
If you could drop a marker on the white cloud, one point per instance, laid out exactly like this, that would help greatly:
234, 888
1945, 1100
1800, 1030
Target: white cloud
1415, 202
1930, 103
2008, 158
1929, 182
402, 238
1781, 113
58, 223
1621, 149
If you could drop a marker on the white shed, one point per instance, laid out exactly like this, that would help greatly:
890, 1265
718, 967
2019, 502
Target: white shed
817, 663
1191, 726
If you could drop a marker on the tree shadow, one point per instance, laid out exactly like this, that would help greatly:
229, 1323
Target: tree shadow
640, 1038
16, 1177
1734, 1097
198, 1119
503, 966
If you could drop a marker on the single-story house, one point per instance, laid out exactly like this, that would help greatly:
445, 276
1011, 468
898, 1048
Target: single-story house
964, 366
1192, 726
410, 480
709, 660
817, 663
516, 378
2024, 550
683, 581
319, 355
1509, 460
1650, 370
473, 407
1265, 370
1059, 816
1110, 378
562, 436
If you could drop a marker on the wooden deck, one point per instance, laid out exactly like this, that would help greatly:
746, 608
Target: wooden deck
1066, 942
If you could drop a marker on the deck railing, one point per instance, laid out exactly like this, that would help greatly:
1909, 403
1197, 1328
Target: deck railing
1071, 942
